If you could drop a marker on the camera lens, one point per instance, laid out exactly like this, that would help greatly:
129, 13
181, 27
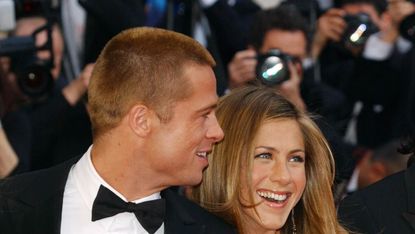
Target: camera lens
359, 28
272, 68
35, 81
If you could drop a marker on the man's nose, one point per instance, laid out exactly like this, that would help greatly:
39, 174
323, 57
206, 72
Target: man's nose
215, 131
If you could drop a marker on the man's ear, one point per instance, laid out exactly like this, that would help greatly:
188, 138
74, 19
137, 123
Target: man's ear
378, 169
139, 119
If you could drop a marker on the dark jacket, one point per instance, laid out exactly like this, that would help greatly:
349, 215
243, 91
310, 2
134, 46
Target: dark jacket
385, 207
32, 203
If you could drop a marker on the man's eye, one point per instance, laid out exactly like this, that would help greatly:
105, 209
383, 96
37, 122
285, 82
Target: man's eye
206, 114
264, 156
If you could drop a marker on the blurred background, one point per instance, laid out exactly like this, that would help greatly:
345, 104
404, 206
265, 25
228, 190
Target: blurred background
349, 62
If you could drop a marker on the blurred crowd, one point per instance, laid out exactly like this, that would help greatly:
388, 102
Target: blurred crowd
348, 62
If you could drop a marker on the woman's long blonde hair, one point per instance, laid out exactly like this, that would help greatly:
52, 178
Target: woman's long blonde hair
240, 114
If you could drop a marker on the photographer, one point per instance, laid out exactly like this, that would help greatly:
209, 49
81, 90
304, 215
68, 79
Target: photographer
403, 15
366, 71
272, 29
59, 121
16, 127
284, 29
386, 206
336, 24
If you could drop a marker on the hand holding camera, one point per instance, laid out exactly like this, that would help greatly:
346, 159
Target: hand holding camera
273, 68
350, 30
403, 16
33, 74
399, 9
330, 26
291, 89
359, 28
242, 68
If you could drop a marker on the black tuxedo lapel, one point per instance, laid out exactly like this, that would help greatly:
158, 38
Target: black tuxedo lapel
48, 214
33, 204
43, 217
39, 211
178, 219
409, 216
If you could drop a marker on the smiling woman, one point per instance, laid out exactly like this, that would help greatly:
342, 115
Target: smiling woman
274, 166
278, 176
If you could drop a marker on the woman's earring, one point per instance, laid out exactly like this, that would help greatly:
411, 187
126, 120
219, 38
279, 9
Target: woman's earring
293, 222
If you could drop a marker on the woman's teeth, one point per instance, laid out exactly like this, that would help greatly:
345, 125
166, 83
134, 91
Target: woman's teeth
273, 197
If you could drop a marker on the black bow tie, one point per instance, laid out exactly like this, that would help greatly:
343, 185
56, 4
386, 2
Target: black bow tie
150, 214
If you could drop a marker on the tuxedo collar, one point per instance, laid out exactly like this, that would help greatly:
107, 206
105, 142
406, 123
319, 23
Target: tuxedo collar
410, 188
87, 181
41, 205
48, 183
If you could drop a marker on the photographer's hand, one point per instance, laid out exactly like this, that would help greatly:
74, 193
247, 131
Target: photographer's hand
399, 9
389, 31
74, 91
330, 26
8, 158
291, 90
242, 68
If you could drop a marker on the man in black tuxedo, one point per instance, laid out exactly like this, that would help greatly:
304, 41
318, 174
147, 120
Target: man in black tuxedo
387, 206
152, 98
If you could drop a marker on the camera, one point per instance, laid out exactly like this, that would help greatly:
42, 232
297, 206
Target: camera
407, 28
359, 28
32, 73
272, 67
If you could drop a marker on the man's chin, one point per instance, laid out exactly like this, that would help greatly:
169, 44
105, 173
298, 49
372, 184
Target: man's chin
195, 180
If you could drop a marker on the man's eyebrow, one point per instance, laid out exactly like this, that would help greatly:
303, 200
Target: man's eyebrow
211, 107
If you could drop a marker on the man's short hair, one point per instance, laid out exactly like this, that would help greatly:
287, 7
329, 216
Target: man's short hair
380, 5
285, 17
141, 66
390, 156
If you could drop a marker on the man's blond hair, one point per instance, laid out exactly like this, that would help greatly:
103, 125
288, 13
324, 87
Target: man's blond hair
141, 65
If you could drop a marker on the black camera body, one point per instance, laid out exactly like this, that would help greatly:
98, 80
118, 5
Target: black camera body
272, 67
407, 28
32, 73
359, 28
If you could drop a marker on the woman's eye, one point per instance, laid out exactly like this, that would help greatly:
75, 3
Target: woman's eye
296, 159
264, 156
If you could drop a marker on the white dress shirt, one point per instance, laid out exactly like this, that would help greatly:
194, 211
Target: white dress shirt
379, 50
80, 192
